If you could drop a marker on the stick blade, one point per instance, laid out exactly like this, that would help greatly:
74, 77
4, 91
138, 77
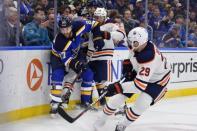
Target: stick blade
63, 114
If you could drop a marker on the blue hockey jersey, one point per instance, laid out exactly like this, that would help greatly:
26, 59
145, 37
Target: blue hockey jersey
67, 48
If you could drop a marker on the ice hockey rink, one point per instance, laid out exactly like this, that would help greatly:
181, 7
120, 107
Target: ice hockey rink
178, 114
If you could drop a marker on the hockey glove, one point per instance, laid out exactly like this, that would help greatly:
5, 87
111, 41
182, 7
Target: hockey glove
77, 65
98, 43
114, 88
128, 71
66, 95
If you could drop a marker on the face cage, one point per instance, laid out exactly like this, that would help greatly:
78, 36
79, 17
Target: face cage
131, 44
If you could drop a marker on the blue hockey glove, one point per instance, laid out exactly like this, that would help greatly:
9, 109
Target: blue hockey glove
99, 44
77, 65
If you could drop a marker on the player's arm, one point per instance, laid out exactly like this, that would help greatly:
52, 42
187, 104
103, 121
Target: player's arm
69, 60
80, 27
128, 70
99, 36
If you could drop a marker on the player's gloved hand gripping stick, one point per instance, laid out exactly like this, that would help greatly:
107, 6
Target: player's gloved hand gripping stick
70, 119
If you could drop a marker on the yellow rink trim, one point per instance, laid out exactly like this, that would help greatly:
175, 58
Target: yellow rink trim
44, 109
29, 112
172, 93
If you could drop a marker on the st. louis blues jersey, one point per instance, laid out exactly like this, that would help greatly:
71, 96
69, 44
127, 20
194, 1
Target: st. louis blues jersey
151, 67
67, 48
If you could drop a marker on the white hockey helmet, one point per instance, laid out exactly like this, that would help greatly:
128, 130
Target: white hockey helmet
100, 12
139, 35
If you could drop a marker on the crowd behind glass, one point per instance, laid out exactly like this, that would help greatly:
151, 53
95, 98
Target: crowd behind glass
33, 24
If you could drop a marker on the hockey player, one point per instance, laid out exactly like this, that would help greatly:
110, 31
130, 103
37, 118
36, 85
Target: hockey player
153, 75
100, 62
65, 59
98, 57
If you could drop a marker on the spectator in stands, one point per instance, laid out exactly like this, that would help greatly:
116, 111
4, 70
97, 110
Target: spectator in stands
167, 21
8, 3
148, 27
179, 10
9, 27
49, 25
172, 39
151, 8
66, 11
192, 26
26, 12
129, 22
164, 7
109, 5
193, 17
73, 11
78, 7
91, 7
180, 20
155, 19
138, 10
33, 33
154, 22
163, 26
192, 39
1, 11
45, 4
120, 5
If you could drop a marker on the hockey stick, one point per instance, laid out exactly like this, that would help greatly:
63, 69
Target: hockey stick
72, 119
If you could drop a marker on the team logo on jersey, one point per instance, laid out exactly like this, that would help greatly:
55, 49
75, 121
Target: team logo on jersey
34, 74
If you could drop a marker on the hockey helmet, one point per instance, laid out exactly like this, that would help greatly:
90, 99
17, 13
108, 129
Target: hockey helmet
100, 12
137, 35
64, 22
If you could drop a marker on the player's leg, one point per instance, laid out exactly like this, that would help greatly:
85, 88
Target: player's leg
102, 75
113, 103
86, 87
68, 84
152, 94
142, 103
58, 74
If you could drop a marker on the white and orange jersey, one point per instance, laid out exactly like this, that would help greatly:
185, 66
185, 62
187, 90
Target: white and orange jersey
105, 54
151, 67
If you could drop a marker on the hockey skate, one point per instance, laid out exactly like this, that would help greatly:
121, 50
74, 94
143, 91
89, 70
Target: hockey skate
86, 105
54, 107
120, 128
53, 111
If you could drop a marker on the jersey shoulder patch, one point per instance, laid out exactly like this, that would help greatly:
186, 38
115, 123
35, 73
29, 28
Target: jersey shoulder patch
146, 55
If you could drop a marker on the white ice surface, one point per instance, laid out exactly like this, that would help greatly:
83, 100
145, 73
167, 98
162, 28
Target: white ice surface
178, 114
